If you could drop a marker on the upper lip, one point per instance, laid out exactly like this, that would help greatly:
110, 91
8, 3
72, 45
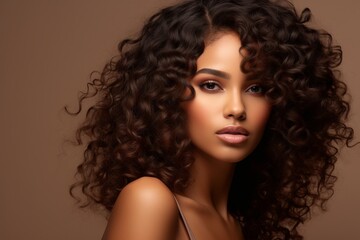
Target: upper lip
233, 130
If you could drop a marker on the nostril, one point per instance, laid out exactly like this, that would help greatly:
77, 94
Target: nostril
239, 116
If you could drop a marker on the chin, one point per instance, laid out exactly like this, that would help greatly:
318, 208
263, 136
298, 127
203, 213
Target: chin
234, 155
230, 157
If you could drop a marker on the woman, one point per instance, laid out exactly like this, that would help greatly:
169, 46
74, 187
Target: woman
222, 120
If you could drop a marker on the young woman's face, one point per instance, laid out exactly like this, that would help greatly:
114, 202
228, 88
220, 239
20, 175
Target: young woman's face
227, 117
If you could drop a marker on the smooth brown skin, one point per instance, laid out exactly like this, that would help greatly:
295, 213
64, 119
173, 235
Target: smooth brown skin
146, 208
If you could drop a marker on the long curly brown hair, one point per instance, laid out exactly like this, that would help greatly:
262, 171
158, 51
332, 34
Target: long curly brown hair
136, 127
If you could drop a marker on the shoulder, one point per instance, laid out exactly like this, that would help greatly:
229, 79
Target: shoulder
145, 209
147, 188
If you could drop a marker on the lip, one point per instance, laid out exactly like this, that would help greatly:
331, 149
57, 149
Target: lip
233, 134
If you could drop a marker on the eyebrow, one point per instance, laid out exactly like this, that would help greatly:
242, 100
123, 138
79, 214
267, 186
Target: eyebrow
214, 72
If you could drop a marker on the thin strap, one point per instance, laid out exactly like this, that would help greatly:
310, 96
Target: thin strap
183, 219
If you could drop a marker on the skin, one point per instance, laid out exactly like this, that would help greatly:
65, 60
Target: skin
146, 209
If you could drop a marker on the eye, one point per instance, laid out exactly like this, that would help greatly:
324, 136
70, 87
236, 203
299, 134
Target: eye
256, 89
210, 86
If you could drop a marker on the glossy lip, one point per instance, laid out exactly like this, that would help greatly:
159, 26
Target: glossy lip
233, 134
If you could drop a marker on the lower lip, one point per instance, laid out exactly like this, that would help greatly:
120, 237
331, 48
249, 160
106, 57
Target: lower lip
232, 138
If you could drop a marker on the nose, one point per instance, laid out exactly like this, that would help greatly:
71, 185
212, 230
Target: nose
234, 106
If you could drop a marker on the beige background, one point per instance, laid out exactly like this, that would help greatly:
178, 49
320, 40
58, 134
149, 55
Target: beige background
47, 50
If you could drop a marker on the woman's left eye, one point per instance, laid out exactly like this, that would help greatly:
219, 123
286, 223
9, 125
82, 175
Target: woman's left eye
257, 89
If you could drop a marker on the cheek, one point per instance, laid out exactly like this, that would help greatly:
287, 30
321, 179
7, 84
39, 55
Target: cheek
201, 117
197, 114
261, 115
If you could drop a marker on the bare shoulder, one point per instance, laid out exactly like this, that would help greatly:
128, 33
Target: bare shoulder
147, 192
145, 209
148, 189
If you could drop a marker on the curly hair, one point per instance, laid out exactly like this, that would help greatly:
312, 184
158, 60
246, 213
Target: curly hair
136, 127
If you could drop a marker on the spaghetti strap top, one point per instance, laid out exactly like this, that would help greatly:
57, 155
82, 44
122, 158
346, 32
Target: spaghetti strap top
183, 219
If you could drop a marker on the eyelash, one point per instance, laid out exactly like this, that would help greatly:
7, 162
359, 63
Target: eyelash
259, 90
262, 90
205, 86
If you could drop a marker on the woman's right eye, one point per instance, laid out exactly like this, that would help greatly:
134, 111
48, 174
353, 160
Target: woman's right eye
210, 86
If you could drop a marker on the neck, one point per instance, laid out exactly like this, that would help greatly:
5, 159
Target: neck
210, 183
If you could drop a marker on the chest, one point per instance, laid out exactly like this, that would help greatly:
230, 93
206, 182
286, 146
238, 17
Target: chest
207, 226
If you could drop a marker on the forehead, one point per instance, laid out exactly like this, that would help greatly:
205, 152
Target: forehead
217, 34
221, 52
